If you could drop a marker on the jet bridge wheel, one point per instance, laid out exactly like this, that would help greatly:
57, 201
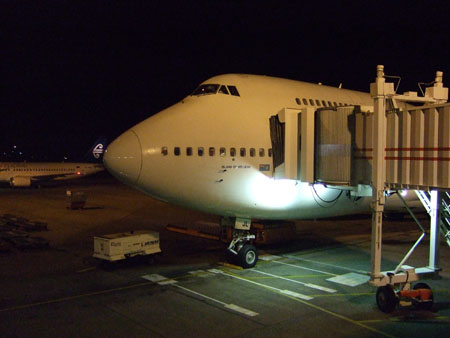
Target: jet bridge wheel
422, 304
386, 298
247, 256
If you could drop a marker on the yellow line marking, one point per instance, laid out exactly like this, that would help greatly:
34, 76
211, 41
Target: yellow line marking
87, 269
64, 299
232, 266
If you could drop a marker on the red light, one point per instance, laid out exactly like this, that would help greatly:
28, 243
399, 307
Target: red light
78, 173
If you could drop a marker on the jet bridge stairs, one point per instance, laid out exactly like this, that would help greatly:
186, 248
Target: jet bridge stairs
400, 143
444, 219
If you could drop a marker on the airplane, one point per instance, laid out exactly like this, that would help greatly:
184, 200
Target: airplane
24, 174
212, 152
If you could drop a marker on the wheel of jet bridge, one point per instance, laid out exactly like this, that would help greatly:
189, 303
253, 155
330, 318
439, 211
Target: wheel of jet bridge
386, 298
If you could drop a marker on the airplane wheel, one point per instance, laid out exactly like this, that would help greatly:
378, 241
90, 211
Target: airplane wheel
248, 256
386, 298
427, 305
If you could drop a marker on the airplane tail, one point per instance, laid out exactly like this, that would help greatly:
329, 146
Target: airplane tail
95, 154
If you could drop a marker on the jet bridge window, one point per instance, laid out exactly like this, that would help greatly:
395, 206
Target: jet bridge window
233, 90
206, 89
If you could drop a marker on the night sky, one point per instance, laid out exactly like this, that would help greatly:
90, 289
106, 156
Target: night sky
74, 70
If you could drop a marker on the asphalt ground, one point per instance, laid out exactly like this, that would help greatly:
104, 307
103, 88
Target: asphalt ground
314, 285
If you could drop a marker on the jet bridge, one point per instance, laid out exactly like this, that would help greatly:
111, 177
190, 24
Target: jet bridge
402, 142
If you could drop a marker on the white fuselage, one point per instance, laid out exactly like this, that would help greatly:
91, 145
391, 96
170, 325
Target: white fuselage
168, 155
24, 173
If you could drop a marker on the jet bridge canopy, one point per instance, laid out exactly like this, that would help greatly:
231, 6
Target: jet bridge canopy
393, 145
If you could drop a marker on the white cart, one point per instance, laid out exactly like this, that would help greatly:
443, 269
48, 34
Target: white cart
115, 247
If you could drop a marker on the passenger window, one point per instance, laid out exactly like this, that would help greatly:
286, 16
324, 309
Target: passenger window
200, 151
335, 104
223, 152
324, 103
305, 101
223, 90
252, 152
242, 152
261, 152
298, 101
189, 151
311, 102
176, 151
269, 152
233, 90
318, 103
232, 152
164, 151
329, 104
212, 151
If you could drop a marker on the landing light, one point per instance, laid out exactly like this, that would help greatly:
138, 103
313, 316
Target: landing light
274, 193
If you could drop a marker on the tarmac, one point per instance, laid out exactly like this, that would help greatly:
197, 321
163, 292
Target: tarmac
315, 285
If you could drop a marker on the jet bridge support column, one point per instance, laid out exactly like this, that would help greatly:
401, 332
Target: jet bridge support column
378, 90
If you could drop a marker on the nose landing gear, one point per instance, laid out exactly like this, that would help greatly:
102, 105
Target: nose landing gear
242, 252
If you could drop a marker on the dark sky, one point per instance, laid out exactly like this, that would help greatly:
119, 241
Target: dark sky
75, 70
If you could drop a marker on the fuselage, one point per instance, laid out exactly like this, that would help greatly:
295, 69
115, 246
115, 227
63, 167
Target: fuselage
212, 151
24, 173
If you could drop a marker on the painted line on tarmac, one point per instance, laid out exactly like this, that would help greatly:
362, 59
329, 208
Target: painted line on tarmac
294, 295
65, 299
228, 306
287, 292
158, 279
161, 280
309, 285
326, 264
302, 267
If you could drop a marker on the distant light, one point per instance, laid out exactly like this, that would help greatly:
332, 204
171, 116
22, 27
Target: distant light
78, 173
404, 193
14, 147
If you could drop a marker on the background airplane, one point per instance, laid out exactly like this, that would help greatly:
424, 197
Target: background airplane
24, 174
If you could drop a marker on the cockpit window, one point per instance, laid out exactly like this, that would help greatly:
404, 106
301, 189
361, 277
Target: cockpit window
233, 90
206, 89
223, 90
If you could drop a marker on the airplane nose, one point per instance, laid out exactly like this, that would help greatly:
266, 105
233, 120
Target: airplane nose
123, 157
